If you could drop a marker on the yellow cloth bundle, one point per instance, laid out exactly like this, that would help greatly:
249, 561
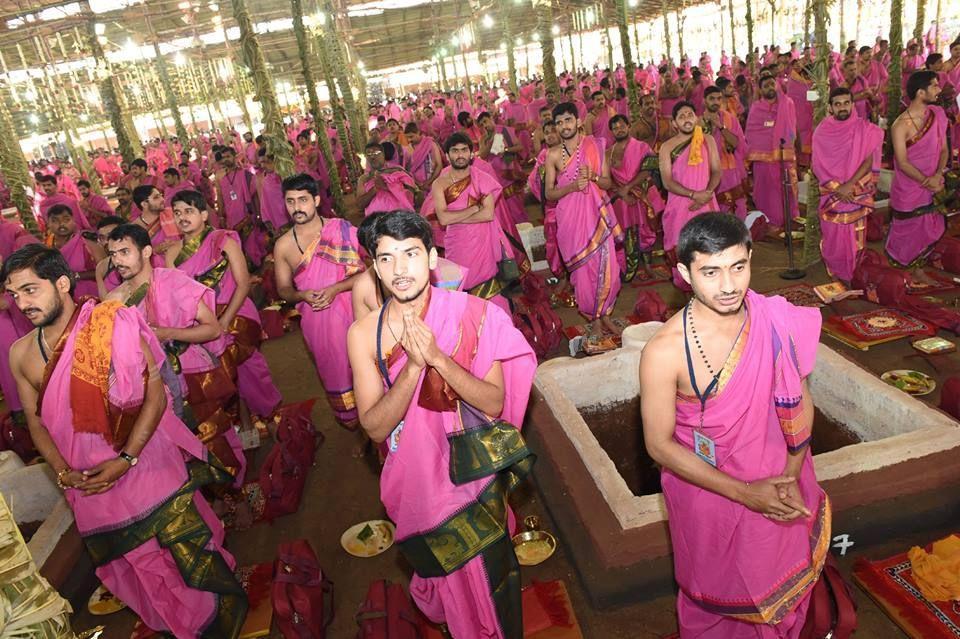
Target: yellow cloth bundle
938, 573
696, 147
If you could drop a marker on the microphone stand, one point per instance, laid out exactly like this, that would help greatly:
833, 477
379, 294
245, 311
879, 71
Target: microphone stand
792, 272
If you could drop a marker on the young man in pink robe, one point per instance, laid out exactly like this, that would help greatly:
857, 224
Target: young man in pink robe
463, 199
316, 264
728, 416
81, 254
638, 202
214, 258
425, 161
797, 85
846, 162
182, 313
690, 169
537, 188
597, 122
455, 363
94, 206
920, 157
384, 188
51, 198
587, 229
237, 204
269, 186
157, 219
732, 149
13, 325
771, 133
175, 182
118, 452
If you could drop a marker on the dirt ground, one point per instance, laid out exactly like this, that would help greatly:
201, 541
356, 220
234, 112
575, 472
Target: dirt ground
342, 491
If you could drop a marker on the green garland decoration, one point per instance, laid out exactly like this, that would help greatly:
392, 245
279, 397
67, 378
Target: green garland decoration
733, 30
168, 94
633, 96
16, 171
508, 37
274, 133
544, 10
338, 67
336, 107
921, 18
303, 48
894, 89
812, 233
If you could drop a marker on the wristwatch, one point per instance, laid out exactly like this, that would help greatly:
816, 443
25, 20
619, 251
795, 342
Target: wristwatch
130, 459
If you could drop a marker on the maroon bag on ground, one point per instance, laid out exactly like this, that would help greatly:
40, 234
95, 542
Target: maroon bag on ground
302, 597
387, 613
950, 397
284, 471
946, 254
832, 611
649, 307
539, 323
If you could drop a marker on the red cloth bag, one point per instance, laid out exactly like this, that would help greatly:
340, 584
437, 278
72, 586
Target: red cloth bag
302, 597
539, 323
832, 611
649, 307
284, 471
387, 613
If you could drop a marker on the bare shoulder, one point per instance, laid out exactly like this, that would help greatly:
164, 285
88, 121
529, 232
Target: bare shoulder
21, 348
665, 348
362, 333
553, 154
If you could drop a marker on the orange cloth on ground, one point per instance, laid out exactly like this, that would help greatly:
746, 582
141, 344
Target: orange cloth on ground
938, 573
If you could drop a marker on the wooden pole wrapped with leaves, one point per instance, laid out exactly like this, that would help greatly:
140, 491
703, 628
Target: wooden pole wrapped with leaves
821, 70
806, 21
681, 21
339, 115
168, 93
303, 48
338, 67
274, 133
508, 37
666, 28
544, 11
16, 171
609, 34
633, 97
749, 18
921, 18
128, 141
733, 29
894, 89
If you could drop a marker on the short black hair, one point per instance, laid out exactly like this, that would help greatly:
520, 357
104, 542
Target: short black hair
140, 162
85, 183
483, 116
400, 225
617, 118
304, 135
48, 263
932, 59
228, 149
411, 127
837, 92
47, 178
171, 171
190, 198
565, 108
142, 193
710, 233
710, 90
919, 81
680, 105
121, 188
300, 182
455, 140
110, 220
373, 144
134, 232
59, 209
462, 118
764, 77
596, 93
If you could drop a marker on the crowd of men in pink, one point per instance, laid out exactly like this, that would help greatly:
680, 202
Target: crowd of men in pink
203, 214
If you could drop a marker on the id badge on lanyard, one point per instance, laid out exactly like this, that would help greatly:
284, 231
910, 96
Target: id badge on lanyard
703, 446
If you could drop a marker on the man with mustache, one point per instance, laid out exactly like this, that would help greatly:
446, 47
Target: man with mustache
214, 258
463, 198
638, 201
731, 147
99, 415
181, 313
846, 161
727, 414
920, 157
316, 264
430, 364
80, 253
690, 169
587, 229
771, 119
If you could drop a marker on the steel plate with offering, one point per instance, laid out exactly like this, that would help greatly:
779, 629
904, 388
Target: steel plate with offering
911, 382
934, 345
368, 538
534, 546
104, 602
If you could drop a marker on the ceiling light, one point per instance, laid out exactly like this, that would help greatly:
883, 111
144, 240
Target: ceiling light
487, 21
555, 30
